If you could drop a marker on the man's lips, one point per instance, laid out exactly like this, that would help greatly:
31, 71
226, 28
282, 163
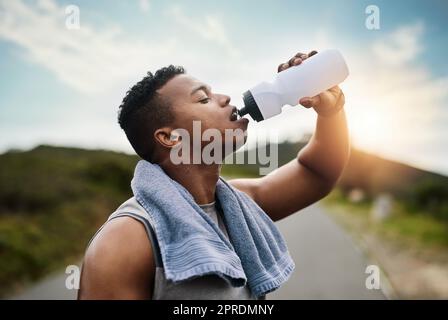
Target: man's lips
234, 114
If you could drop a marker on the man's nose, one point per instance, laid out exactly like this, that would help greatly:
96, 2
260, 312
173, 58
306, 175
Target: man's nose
224, 100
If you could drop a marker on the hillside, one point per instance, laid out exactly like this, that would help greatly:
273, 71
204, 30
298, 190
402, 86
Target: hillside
53, 199
418, 189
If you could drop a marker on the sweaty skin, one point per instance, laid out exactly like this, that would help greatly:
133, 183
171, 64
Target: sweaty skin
119, 264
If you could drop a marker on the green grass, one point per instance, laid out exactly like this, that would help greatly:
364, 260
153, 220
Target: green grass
52, 200
425, 230
411, 227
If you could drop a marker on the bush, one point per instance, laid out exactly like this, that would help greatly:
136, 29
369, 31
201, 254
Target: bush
430, 196
52, 200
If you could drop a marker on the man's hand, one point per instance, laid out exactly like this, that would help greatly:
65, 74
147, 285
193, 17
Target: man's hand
326, 103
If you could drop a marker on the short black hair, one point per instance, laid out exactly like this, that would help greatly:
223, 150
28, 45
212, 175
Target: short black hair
143, 110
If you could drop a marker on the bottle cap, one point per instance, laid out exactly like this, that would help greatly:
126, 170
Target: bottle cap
250, 107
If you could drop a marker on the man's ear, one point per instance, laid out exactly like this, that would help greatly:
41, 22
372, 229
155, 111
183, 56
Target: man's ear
167, 137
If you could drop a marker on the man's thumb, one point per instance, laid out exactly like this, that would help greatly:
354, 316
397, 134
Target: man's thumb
309, 102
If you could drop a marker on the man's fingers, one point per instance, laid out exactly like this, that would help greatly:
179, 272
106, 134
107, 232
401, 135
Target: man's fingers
282, 66
296, 60
291, 62
335, 90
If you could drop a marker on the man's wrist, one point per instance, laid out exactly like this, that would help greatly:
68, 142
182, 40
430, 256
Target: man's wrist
330, 112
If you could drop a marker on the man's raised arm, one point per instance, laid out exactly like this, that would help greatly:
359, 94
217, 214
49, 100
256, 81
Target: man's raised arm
315, 171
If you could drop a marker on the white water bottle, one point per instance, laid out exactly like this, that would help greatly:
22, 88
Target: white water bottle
316, 74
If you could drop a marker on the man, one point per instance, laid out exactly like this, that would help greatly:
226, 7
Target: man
121, 262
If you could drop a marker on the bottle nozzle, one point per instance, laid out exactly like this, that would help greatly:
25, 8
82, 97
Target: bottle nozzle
250, 107
243, 111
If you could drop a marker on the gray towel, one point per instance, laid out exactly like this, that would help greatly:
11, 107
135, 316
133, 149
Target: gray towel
192, 245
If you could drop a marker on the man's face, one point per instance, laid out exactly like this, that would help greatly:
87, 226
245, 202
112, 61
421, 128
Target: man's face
193, 100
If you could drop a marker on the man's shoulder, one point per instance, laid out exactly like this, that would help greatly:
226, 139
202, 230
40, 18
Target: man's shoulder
119, 255
119, 247
123, 235
120, 232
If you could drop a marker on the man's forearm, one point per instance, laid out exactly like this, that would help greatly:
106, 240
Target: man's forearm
328, 151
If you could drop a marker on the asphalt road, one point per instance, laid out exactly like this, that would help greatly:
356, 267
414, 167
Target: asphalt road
328, 264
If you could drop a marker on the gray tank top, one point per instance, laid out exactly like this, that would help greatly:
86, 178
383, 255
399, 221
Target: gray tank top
204, 287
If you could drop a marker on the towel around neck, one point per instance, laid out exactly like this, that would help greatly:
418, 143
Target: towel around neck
192, 245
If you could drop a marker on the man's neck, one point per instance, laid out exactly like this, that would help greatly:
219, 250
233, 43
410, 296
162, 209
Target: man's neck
199, 179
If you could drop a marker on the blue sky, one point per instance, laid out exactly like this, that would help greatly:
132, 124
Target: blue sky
63, 87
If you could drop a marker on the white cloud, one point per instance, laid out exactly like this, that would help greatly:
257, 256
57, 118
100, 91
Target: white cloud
144, 5
401, 46
100, 62
88, 59
212, 29
394, 102
94, 60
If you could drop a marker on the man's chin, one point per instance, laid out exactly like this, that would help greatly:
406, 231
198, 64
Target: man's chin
242, 123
